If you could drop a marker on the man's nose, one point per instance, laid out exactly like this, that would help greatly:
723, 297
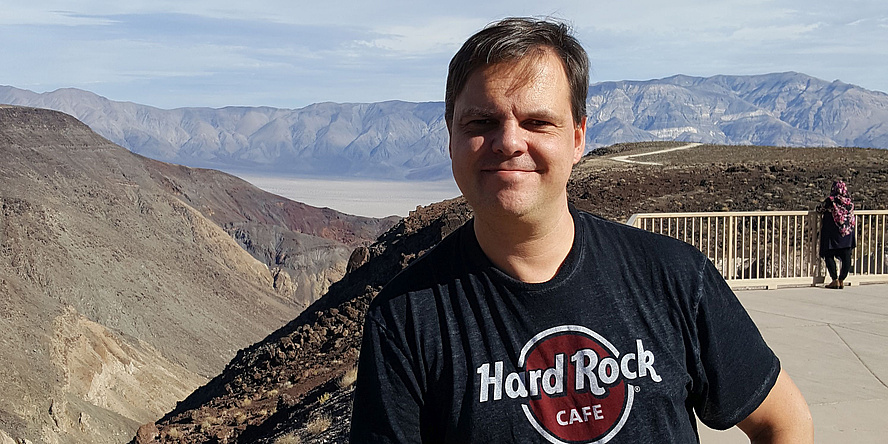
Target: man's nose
509, 140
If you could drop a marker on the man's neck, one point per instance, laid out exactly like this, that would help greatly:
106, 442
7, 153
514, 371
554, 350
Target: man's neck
531, 251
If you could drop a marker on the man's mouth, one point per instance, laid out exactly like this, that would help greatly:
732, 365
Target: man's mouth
508, 169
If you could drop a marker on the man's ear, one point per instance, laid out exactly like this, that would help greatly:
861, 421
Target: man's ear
579, 140
449, 138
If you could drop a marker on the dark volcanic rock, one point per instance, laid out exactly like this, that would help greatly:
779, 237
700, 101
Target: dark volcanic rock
722, 178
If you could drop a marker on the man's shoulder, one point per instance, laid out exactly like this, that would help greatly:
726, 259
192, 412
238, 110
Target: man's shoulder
627, 239
440, 265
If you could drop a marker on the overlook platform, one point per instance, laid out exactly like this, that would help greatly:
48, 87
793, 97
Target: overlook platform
834, 344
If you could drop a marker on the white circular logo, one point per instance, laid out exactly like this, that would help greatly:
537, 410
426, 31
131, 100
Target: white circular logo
576, 382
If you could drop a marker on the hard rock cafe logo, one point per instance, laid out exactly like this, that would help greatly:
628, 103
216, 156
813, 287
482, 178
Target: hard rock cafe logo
575, 382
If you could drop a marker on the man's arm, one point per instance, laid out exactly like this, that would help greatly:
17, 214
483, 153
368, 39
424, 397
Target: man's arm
783, 417
387, 395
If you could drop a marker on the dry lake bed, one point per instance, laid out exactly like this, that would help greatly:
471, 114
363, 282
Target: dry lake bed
371, 198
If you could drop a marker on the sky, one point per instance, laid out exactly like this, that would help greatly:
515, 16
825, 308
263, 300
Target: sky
292, 53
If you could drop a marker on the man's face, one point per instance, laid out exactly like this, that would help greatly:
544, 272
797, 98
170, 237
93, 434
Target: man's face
513, 140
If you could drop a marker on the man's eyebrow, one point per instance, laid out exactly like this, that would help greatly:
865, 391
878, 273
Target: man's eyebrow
542, 114
477, 111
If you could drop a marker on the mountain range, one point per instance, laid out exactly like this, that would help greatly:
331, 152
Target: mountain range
402, 140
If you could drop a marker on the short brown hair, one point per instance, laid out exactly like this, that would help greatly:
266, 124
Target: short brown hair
512, 39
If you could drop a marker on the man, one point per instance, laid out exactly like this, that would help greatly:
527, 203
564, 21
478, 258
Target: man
538, 323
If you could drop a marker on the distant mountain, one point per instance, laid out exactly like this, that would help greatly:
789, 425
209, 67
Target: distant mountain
787, 109
400, 140
125, 282
394, 140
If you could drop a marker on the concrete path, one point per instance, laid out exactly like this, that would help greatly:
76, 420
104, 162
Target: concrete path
834, 344
628, 159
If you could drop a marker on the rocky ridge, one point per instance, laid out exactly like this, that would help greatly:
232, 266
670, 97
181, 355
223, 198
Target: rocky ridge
122, 284
295, 385
310, 360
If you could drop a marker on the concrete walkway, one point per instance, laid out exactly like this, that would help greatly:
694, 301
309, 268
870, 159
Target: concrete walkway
834, 344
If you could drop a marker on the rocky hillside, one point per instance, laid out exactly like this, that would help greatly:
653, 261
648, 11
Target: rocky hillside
296, 384
398, 140
305, 247
123, 286
725, 178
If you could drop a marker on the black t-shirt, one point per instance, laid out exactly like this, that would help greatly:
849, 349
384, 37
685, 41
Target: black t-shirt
634, 333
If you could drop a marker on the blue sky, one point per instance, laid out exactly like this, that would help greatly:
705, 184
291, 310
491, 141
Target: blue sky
288, 54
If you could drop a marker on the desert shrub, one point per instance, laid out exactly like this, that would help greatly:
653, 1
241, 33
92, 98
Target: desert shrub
288, 438
319, 424
325, 397
348, 378
209, 421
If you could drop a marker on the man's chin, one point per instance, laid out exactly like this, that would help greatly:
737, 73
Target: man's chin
506, 203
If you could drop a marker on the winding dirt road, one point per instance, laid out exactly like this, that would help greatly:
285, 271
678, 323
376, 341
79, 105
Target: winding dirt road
627, 158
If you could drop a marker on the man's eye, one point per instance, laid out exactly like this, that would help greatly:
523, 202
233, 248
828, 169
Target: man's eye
479, 124
539, 123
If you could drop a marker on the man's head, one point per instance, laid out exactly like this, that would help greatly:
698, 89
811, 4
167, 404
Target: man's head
510, 40
516, 118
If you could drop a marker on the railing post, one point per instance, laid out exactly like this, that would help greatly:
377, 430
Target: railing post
732, 240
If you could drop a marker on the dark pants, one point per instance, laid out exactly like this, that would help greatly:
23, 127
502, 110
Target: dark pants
844, 255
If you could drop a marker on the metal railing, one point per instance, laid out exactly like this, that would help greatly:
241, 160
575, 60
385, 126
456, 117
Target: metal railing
772, 248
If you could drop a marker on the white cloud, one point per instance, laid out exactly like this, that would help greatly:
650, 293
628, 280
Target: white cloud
443, 35
774, 33
21, 15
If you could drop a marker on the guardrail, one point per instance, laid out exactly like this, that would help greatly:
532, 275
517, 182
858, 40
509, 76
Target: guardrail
773, 248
